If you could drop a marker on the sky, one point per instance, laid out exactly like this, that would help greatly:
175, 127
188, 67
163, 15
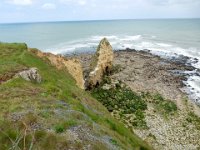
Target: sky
74, 10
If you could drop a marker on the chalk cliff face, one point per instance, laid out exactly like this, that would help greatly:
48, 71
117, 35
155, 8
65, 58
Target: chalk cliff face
72, 65
101, 63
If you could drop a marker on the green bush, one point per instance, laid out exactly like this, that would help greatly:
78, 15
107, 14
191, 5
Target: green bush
157, 98
122, 99
169, 106
166, 106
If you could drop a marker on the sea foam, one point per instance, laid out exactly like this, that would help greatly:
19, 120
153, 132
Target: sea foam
139, 42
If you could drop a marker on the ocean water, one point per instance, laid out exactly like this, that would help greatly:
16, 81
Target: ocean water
167, 38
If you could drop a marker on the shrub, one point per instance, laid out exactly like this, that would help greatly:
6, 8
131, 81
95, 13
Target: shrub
169, 106
158, 98
122, 99
163, 105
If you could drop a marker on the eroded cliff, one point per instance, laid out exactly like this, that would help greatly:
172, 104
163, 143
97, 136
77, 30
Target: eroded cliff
72, 65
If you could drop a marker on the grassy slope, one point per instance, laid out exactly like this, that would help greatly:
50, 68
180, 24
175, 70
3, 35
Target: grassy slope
43, 116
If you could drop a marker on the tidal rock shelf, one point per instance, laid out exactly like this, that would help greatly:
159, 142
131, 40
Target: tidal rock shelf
144, 72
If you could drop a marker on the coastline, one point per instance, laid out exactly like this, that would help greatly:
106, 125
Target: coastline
40, 99
170, 72
142, 91
83, 75
144, 72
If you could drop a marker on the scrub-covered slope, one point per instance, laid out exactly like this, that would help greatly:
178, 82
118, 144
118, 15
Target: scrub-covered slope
55, 113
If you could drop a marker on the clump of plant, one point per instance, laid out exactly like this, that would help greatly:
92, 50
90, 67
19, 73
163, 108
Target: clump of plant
161, 104
166, 106
116, 68
17, 137
192, 118
60, 128
123, 100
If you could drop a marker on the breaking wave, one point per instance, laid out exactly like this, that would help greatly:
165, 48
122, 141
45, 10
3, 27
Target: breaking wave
140, 42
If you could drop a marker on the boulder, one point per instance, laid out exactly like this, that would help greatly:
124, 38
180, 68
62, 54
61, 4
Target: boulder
101, 63
30, 75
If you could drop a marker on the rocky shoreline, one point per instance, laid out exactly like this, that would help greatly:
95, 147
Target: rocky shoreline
144, 72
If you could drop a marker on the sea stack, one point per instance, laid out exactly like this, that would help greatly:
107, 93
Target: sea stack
101, 63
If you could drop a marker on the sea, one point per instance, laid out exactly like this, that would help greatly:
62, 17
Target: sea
164, 37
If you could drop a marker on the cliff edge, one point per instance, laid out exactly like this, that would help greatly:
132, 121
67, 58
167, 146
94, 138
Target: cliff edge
43, 108
72, 65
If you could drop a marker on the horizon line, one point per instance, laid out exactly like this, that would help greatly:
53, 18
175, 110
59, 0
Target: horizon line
91, 20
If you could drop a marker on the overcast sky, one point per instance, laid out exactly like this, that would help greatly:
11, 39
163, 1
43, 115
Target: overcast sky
66, 10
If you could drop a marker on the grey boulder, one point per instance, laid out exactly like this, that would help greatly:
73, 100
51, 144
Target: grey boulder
30, 75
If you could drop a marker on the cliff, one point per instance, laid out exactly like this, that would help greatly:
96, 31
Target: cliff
53, 113
72, 65
42, 105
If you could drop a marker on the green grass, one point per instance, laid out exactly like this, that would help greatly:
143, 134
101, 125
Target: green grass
10, 54
61, 127
50, 108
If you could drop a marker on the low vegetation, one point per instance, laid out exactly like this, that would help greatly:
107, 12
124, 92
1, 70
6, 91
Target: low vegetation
61, 127
193, 119
123, 102
128, 106
162, 105
55, 114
